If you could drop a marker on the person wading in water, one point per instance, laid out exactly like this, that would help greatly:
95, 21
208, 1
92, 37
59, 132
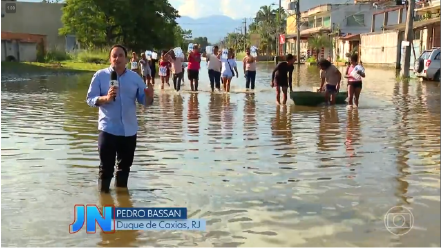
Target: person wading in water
145, 68
176, 66
164, 69
214, 68
152, 63
229, 66
280, 78
134, 63
194, 64
330, 75
117, 121
354, 74
249, 69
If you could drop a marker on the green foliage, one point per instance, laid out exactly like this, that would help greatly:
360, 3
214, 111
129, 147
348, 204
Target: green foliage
266, 24
318, 41
56, 55
311, 60
201, 41
139, 25
99, 56
341, 60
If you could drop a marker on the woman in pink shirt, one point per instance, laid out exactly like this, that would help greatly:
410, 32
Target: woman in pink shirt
355, 83
194, 64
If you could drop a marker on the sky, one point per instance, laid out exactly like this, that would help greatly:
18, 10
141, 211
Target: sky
232, 8
236, 8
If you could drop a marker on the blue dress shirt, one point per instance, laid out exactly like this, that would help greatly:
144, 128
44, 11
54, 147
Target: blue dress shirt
117, 117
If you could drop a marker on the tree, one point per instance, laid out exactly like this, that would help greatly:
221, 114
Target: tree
236, 41
142, 25
318, 42
202, 42
182, 37
267, 24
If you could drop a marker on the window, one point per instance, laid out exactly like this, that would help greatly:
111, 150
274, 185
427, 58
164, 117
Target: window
437, 56
311, 23
356, 20
319, 22
327, 22
417, 35
425, 55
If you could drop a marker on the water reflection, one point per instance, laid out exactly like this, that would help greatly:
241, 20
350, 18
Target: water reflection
329, 129
214, 116
193, 116
119, 238
249, 119
352, 132
281, 126
262, 175
227, 118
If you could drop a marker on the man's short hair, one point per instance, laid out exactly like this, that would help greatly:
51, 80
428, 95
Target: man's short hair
120, 46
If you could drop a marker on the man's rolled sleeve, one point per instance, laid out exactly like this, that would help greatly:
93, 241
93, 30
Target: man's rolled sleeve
94, 91
140, 96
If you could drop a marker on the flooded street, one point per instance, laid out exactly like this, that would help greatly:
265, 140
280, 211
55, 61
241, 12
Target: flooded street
260, 174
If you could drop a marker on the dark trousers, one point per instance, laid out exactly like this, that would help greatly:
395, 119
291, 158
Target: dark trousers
250, 78
177, 80
119, 147
215, 77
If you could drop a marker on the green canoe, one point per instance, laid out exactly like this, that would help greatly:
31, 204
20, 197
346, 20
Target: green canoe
310, 98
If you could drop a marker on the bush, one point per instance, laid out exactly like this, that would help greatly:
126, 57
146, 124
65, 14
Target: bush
92, 56
341, 60
56, 55
311, 60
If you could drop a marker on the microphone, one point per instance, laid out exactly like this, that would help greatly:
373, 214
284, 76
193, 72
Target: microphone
114, 80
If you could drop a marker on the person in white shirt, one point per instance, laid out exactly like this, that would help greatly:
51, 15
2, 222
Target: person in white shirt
134, 63
227, 70
214, 68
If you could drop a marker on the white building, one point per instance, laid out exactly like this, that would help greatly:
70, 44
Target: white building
334, 20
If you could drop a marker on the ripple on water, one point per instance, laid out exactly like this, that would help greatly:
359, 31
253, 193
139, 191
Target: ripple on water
260, 174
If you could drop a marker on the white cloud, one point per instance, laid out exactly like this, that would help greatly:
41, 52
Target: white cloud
235, 8
232, 8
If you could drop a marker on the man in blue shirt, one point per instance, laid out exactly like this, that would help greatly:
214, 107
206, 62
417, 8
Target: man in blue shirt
117, 122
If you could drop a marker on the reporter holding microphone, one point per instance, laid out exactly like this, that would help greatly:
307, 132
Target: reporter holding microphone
115, 91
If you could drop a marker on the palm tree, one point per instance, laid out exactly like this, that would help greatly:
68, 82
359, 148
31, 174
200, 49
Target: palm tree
318, 42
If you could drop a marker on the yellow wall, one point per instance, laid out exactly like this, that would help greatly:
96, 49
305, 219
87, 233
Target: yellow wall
291, 27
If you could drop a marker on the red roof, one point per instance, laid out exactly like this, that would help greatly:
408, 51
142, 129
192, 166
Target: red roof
23, 37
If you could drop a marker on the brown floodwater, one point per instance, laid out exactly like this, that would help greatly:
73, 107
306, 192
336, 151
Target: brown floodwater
260, 174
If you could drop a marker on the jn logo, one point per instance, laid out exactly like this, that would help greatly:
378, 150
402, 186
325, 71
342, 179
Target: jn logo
92, 215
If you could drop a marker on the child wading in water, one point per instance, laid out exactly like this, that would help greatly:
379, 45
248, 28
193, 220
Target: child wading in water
164, 70
354, 74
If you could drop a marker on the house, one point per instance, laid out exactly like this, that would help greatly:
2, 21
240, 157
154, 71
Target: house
384, 48
429, 34
336, 20
20, 46
38, 18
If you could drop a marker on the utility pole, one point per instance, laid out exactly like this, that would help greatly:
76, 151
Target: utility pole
408, 34
245, 35
298, 31
278, 27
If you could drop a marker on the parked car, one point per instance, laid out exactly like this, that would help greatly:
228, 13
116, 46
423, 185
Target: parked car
428, 64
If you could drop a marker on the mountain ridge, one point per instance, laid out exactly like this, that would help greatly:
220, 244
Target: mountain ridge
214, 27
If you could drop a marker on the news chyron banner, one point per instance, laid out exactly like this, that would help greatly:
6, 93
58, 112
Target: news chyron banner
111, 219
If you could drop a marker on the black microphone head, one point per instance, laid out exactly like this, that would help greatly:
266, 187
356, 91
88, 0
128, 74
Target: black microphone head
113, 75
